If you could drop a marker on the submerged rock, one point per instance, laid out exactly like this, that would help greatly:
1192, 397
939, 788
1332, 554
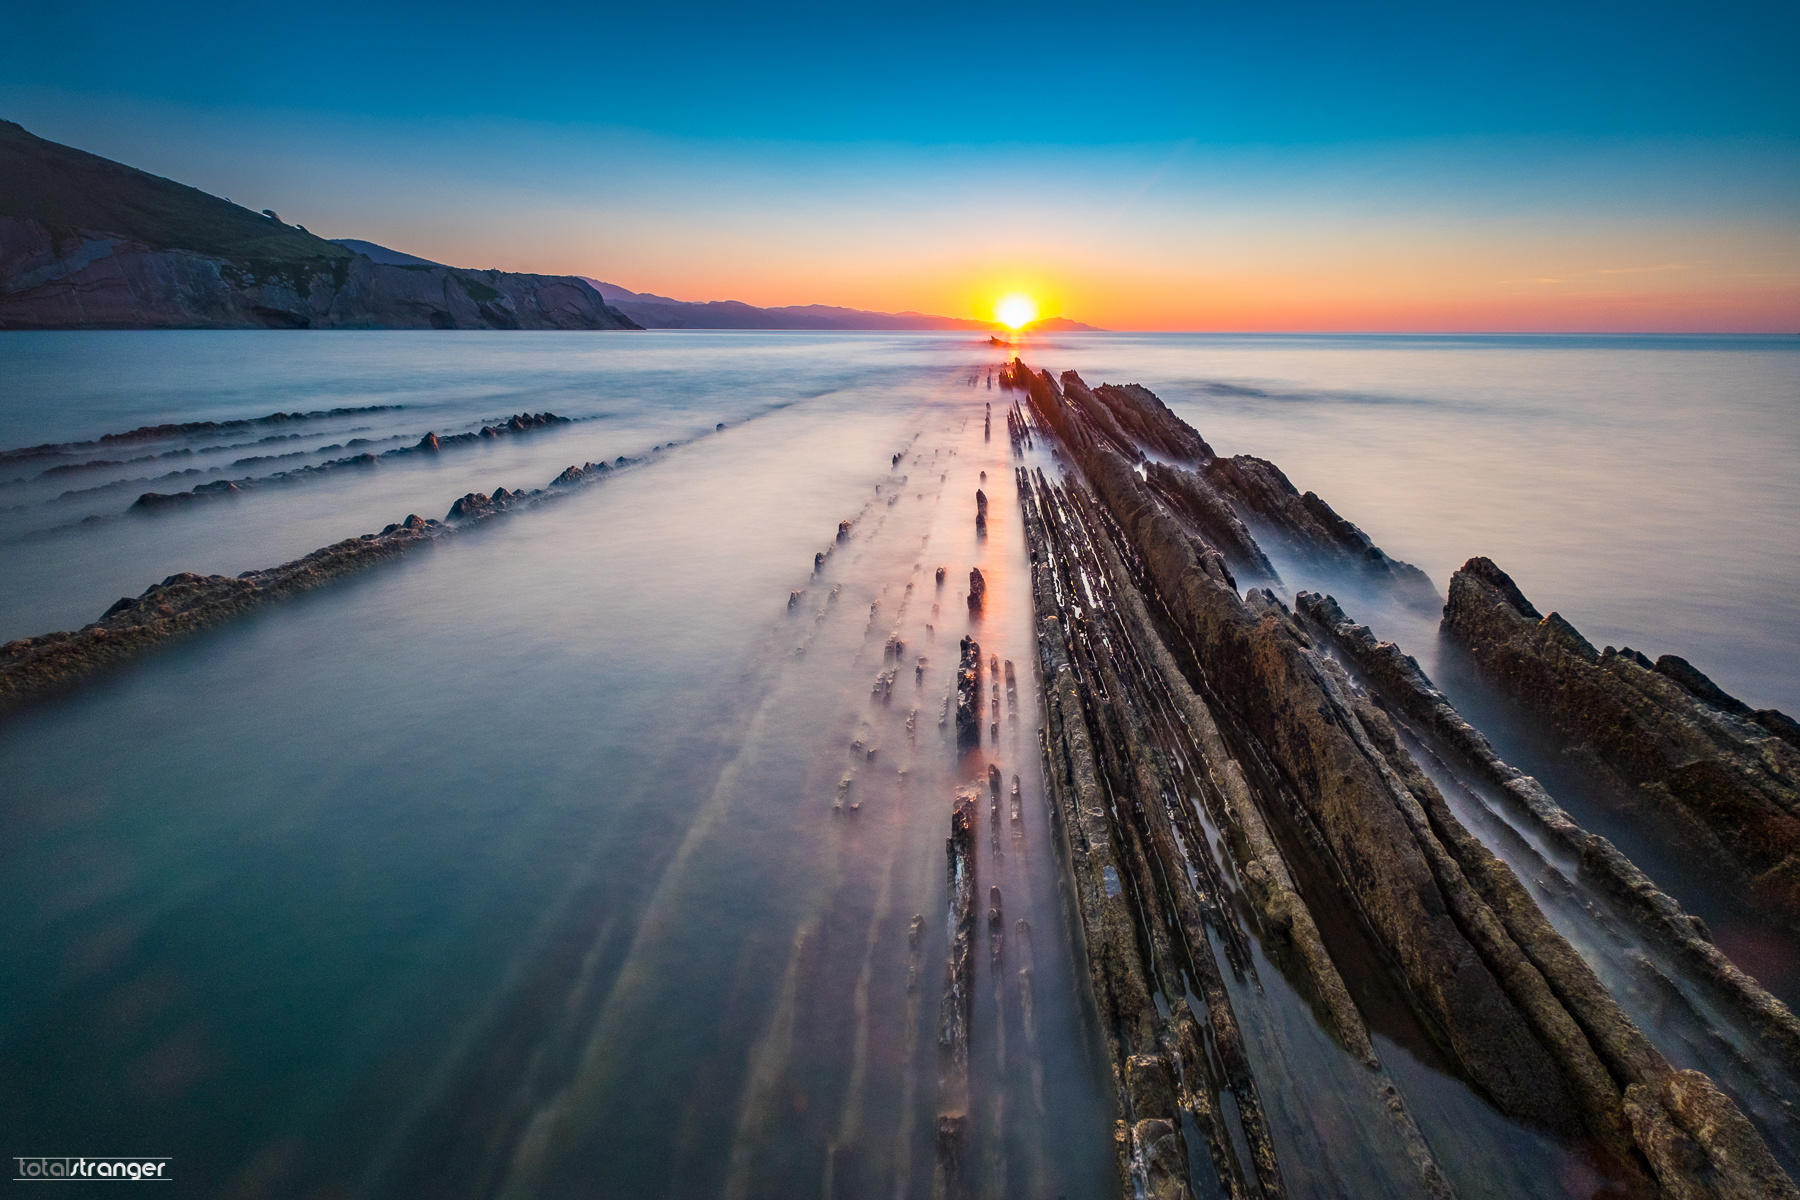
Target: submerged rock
977, 590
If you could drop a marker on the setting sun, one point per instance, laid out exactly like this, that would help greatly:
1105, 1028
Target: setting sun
1016, 310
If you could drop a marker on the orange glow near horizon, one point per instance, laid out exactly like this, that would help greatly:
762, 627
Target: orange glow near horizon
1015, 310
1345, 240
1735, 280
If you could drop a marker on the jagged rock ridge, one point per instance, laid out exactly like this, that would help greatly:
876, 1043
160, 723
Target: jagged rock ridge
1289, 743
1699, 759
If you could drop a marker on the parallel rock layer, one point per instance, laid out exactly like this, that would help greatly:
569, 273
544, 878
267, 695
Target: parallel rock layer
1516, 1007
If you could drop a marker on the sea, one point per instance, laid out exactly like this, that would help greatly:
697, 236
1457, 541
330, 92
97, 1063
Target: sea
599, 849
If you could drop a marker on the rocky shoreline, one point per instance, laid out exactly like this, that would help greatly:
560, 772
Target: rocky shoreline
1309, 777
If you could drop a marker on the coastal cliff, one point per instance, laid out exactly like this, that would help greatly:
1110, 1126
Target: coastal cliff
87, 243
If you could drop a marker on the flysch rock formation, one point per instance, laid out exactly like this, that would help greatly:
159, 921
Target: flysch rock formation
107, 443
31, 668
1154, 667
430, 443
1405, 689
1702, 762
1225, 501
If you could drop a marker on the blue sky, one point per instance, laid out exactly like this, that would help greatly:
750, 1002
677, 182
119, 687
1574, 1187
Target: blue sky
912, 156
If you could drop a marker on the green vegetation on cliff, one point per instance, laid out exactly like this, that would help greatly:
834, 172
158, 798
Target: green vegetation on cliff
69, 190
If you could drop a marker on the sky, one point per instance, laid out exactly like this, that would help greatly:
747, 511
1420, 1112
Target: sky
1243, 166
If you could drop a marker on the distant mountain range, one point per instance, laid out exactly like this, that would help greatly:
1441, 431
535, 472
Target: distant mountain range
661, 312
89, 243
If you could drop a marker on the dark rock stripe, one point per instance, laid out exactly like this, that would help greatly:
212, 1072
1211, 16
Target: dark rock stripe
1725, 777
431, 443
1518, 1008
1400, 682
145, 433
956, 1008
31, 668
184, 603
1219, 497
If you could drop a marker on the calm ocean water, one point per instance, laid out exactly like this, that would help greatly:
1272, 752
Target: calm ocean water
514, 868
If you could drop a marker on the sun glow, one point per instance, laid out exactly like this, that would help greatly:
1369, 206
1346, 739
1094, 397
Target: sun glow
1015, 310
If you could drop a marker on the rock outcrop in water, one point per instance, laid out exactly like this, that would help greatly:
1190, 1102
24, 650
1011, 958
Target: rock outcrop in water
955, 1010
1404, 687
1219, 499
185, 603
968, 695
431, 443
1702, 762
1170, 671
178, 429
188, 602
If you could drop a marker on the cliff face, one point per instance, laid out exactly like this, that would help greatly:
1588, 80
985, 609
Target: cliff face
88, 243
87, 279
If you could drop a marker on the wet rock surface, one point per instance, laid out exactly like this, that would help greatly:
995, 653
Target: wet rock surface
1404, 687
968, 695
185, 603
1723, 777
1220, 499
1168, 666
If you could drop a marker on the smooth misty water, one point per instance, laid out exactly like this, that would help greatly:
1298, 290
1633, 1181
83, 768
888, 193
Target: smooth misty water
514, 867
